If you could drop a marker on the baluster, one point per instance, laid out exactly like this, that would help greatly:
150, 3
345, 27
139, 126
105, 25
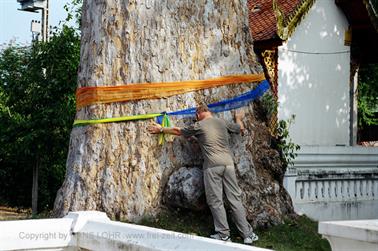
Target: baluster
351, 188
369, 189
373, 192
305, 190
345, 189
363, 190
375, 188
298, 190
332, 189
313, 190
348, 187
358, 188
322, 191
327, 190
355, 188
339, 189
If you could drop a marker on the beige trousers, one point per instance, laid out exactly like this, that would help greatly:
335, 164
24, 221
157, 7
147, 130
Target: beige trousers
219, 180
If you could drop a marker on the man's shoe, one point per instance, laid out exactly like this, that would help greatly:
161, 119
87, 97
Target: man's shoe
250, 239
221, 237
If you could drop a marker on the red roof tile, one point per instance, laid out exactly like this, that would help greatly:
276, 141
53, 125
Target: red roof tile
262, 21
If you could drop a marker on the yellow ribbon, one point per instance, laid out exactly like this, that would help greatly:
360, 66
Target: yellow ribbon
165, 121
110, 120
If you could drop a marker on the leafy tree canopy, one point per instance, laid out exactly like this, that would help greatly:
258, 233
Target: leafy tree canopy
37, 107
368, 95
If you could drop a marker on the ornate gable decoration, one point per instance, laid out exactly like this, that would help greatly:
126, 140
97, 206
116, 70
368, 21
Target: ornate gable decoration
372, 9
287, 24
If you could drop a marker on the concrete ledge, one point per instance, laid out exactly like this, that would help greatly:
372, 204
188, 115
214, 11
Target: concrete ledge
97, 235
93, 230
35, 234
351, 235
337, 156
335, 211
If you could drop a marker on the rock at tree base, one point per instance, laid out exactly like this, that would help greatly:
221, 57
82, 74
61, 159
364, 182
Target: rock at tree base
185, 189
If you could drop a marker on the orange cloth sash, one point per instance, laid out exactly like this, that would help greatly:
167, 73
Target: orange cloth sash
108, 94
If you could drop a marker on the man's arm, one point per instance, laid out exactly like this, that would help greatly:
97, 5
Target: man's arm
155, 128
239, 115
238, 126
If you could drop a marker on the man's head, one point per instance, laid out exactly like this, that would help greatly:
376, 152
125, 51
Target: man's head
202, 112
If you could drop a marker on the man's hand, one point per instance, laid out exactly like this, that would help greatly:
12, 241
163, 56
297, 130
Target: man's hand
239, 115
154, 128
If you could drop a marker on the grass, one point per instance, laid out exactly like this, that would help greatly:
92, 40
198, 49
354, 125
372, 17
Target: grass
11, 213
300, 234
294, 235
8, 213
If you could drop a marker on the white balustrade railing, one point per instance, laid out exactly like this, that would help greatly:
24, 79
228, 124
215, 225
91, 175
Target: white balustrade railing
336, 188
335, 183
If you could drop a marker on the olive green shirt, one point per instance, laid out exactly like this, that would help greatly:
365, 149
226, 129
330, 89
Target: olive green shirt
213, 137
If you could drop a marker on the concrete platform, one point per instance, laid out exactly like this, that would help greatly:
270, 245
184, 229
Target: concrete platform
359, 235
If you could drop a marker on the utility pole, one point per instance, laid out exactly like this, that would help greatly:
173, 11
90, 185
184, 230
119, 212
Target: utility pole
35, 6
45, 22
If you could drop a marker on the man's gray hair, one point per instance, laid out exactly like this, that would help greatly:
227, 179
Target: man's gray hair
202, 108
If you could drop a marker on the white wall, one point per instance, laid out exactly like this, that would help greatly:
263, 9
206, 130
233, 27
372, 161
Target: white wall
315, 87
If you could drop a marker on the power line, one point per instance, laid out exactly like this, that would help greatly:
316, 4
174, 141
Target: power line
318, 53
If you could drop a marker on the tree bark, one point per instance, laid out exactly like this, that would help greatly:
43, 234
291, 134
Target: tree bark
119, 168
35, 188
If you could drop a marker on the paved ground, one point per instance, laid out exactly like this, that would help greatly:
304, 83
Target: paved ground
7, 213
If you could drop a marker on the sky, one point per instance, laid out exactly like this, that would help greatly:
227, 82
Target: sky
15, 24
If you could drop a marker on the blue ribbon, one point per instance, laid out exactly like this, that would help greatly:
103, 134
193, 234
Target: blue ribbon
227, 104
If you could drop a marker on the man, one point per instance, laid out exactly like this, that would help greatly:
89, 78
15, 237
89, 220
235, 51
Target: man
212, 135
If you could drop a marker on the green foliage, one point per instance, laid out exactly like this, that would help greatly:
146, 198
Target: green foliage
269, 104
73, 10
286, 146
368, 95
37, 107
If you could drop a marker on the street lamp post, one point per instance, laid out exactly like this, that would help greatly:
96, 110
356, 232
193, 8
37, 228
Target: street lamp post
34, 6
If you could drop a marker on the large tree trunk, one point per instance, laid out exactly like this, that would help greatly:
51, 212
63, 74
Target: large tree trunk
118, 167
